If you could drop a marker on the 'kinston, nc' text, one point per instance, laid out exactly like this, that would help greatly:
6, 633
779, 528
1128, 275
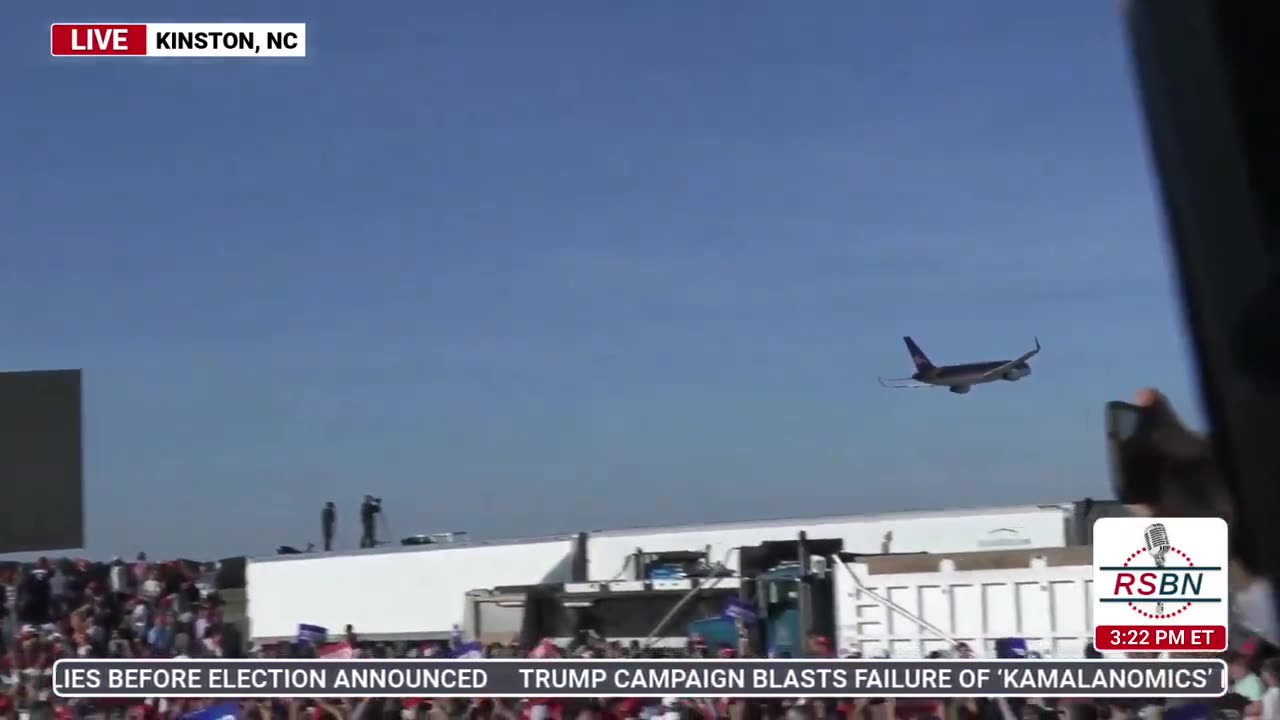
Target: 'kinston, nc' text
186, 40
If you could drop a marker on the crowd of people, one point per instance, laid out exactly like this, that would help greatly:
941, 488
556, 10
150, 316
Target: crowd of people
70, 609
142, 609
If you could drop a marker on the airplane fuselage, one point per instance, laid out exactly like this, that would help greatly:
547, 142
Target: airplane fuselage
968, 374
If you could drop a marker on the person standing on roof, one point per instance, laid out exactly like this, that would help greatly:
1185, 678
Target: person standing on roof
328, 519
369, 510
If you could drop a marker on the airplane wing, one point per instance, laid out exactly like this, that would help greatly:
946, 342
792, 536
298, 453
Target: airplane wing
1023, 358
902, 383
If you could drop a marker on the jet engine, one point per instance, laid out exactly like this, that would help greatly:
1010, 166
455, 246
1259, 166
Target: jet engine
959, 389
1016, 374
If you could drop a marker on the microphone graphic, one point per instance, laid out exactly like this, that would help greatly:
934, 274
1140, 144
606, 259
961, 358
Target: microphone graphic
1157, 539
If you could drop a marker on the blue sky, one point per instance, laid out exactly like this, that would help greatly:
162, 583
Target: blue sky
525, 268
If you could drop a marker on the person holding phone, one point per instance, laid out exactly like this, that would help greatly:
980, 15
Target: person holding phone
1161, 468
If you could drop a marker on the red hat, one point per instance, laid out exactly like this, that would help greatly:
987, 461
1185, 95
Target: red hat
1249, 647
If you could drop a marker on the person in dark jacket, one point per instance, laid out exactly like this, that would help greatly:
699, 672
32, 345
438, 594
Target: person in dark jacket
35, 594
328, 519
369, 510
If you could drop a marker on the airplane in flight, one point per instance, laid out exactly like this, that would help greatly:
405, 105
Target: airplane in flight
960, 379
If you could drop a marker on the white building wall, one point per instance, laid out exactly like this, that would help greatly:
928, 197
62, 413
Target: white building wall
421, 592
409, 592
935, 532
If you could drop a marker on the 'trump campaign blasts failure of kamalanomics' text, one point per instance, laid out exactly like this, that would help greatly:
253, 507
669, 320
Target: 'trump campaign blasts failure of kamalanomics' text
567, 678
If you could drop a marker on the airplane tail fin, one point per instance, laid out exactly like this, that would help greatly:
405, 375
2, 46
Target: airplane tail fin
917, 355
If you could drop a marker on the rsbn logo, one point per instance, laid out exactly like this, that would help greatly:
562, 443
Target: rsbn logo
1159, 580
1160, 584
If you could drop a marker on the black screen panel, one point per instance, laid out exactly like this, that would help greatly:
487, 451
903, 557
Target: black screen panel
41, 461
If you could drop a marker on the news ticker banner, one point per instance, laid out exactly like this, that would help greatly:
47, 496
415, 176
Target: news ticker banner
1160, 584
178, 40
638, 678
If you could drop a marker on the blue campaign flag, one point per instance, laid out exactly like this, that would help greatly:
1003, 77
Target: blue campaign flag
473, 650
1194, 711
223, 711
1011, 648
313, 634
738, 609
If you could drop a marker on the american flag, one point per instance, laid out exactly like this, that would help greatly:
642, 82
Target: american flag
336, 651
545, 649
